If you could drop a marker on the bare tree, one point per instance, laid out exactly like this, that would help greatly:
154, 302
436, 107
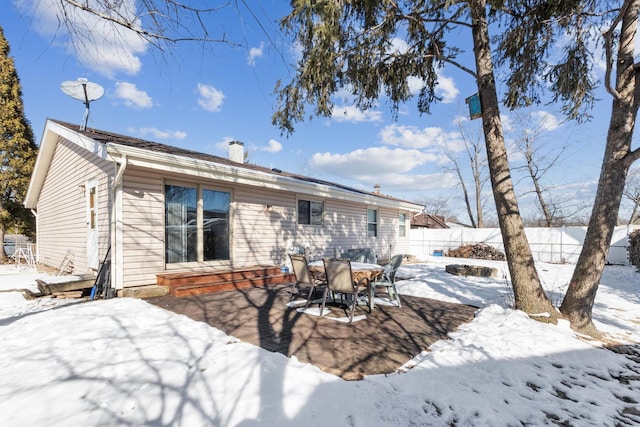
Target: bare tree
161, 23
537, 165
474, 150
632, 194
461, 183
435, 206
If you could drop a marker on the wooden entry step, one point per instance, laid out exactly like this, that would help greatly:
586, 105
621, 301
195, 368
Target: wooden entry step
201, 282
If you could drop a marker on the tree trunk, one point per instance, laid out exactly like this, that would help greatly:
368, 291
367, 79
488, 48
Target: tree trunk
528, 293
636, 203
531, 167
478, 184
578, 303
3, 255
465, 194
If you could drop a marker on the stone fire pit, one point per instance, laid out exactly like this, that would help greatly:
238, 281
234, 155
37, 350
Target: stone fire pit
471, 270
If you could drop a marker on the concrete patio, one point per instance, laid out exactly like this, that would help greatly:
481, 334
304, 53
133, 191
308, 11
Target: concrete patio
380, 344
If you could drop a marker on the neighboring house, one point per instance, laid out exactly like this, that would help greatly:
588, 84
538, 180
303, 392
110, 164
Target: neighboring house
165, 209
425, 220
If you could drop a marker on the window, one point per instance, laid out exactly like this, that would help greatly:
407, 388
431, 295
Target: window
180, 219
196, 224
310, 213
372, 223
215, 224
402, 225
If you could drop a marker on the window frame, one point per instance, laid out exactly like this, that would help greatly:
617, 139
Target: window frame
402, 224
200, 250
374, 223
310, 222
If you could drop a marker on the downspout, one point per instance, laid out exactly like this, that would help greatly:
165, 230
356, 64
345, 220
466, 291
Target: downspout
117, 274
35, 214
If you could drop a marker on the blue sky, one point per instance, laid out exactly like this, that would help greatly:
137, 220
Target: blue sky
201, 97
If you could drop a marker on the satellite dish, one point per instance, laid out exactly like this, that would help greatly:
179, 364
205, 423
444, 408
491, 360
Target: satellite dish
85, 91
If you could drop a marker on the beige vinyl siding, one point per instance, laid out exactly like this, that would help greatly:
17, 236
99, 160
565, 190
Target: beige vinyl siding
264, 227
256, 232
261, 234
143, 226
62, 206
345, 227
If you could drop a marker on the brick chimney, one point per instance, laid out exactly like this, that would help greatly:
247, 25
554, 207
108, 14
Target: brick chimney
236, 151
376, 188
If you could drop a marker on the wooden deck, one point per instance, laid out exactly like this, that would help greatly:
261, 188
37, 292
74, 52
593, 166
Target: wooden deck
190, 283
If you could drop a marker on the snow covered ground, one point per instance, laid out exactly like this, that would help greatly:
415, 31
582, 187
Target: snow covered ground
123, 362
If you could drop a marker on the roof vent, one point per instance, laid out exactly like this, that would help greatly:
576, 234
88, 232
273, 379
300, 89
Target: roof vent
276, 170
236, 151
376, 188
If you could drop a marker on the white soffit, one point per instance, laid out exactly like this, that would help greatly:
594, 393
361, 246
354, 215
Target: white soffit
238, 175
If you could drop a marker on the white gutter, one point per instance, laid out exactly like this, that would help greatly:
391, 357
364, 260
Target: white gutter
118, 179
239, 175
117, 251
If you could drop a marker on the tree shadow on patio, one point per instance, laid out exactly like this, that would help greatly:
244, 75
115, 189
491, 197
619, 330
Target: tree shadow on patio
380, 344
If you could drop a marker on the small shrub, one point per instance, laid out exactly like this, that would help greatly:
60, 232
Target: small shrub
633, 250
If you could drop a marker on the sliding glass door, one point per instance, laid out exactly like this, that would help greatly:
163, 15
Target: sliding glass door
196, 224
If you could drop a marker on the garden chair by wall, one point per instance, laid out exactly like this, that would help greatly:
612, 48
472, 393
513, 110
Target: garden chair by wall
388, 280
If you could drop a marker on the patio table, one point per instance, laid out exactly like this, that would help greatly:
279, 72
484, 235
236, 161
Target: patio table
359, 271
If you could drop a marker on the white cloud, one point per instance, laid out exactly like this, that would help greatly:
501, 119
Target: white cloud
546, 121
354, 115
223, 145
507, 123
415, 84
447, 89
392, 168
210, 98
96, 43
132, 96
413, 137
255, 52
394, 183
399, 45
272, 147
362, 163
159, 133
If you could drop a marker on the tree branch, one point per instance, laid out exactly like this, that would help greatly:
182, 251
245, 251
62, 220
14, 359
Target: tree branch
608, 47
153, 12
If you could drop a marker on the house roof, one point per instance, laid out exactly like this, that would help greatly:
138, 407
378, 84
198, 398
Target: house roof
127, 149
428, 221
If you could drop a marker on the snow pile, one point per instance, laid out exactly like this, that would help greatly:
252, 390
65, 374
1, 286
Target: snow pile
125, 362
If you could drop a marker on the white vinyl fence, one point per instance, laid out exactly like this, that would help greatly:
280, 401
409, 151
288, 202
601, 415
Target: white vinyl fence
555, 245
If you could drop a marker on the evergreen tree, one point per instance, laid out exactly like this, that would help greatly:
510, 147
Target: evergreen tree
17, 150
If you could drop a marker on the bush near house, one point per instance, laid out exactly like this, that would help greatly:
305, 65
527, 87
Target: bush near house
633, 249
477, 251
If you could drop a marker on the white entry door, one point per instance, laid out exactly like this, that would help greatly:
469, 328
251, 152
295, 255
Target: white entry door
92, 224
